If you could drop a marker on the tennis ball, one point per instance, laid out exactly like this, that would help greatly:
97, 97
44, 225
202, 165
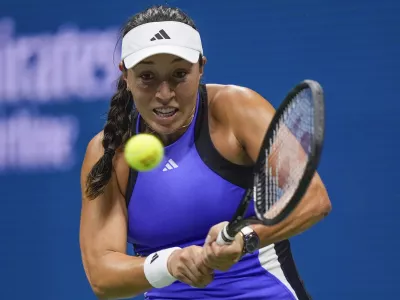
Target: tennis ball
143, 152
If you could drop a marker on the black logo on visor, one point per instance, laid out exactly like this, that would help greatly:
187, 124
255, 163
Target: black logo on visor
161, 35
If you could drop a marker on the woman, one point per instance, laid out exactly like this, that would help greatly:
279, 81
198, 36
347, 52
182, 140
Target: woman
212, 135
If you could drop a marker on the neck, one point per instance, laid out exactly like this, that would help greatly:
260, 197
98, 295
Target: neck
168, 139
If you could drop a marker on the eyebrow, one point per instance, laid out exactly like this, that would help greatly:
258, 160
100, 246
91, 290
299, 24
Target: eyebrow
149, 62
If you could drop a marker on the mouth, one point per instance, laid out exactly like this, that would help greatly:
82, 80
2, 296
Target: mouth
165, 112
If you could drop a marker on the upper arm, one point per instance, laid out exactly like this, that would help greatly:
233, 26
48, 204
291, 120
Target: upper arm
103, 226
247, 114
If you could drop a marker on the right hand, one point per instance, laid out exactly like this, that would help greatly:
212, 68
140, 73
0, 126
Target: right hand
187, 266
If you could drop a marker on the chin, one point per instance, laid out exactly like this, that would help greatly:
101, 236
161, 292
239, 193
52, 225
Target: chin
162, 128
166, 126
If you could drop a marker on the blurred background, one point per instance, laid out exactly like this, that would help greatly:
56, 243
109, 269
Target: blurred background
58, 66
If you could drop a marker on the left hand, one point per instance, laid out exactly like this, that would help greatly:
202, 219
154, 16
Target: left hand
221, 257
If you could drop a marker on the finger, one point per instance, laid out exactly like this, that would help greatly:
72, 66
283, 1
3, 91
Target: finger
198, 278
225, 258
182, 271
224, 253
214, 260
190, 277
203, 268
210, 258
208, 240
216, 229
182, 276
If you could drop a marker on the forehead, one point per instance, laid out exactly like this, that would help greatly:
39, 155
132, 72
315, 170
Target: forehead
161, 59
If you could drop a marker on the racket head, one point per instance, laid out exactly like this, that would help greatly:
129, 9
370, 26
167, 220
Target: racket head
308, 93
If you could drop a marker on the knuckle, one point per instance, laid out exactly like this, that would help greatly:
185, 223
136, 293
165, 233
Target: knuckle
184, 257
179, 276
207, 277
208, 265
207, 281
210, 279
200, 280
180, 268
218, 253
198, 266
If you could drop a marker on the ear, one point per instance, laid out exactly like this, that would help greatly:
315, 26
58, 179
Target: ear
204, 59
122, 68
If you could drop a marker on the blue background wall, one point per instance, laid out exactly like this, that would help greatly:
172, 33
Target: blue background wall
56, 75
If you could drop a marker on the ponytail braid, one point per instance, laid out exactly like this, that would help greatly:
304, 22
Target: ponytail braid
116, 132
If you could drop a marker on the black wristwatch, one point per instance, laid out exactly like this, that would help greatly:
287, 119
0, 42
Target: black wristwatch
251, 241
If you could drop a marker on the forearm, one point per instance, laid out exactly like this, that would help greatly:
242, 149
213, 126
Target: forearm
314, 206
274, 234
117, 276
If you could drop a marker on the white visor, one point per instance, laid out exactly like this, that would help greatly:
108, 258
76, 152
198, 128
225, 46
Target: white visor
153, 38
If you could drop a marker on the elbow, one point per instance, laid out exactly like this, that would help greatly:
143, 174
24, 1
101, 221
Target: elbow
316, 212
318, 203
99, 291
96, 285
102, 280
323, 205
99, 287
102, 292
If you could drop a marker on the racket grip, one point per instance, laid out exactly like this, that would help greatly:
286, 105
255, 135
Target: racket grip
224, 238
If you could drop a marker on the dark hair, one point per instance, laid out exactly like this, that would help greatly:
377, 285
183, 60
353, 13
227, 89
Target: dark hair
117, 128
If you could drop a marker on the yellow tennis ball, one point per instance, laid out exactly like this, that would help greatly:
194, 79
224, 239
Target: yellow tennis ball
143, 152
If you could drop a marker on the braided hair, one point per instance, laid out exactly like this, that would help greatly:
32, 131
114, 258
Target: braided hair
117, 127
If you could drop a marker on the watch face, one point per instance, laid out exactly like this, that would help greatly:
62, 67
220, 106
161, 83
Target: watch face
252, 243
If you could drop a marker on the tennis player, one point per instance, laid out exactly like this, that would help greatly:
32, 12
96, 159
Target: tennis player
172, 215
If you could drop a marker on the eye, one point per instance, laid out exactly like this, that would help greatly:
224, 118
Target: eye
146, 76
180, 74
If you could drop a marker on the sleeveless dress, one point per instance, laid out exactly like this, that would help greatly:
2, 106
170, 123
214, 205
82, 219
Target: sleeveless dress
177, 203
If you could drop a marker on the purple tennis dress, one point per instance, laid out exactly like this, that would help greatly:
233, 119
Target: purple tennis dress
193, 189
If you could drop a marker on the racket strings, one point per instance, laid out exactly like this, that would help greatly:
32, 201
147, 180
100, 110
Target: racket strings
287, 157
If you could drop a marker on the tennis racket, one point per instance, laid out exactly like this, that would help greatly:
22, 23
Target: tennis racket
287, 161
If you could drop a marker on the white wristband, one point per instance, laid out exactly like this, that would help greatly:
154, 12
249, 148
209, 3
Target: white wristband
156, 269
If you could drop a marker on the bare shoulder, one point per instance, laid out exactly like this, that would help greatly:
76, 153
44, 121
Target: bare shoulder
243, 112
94, 151
95, 146
224, 90
227, 101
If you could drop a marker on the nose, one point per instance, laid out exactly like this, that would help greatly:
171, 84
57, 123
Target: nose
165, 92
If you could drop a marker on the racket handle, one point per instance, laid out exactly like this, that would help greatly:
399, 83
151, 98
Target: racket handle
224, 238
